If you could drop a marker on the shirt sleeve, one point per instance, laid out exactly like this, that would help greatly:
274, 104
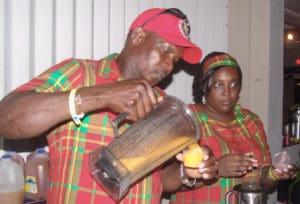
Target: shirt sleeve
61, 77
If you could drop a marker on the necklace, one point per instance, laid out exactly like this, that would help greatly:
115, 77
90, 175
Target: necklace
238, 117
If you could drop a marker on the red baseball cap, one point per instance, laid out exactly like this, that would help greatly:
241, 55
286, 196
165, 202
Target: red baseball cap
173, 26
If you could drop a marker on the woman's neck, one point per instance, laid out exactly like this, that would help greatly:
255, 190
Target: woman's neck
222, 117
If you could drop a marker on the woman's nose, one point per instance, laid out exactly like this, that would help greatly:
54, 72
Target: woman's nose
226, 90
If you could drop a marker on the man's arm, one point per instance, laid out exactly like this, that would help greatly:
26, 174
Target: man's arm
29, 114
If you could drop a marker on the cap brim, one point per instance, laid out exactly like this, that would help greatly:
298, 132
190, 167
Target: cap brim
191, 53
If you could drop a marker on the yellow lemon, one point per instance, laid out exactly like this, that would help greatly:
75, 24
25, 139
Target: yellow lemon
194, 146
192, 156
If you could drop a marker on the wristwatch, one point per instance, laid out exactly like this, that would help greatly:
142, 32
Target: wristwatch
186, 180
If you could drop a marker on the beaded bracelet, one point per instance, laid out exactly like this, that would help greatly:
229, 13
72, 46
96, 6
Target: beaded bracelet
72, 107
271, 175
184, 179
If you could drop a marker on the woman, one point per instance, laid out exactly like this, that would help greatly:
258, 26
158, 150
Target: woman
235, 134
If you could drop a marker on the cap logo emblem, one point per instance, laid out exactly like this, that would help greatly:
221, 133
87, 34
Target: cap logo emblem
185, 28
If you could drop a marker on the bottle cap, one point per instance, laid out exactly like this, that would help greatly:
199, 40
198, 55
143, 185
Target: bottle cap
6, 156
40, 150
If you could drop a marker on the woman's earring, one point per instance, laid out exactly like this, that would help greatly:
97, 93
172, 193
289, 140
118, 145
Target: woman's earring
203, 100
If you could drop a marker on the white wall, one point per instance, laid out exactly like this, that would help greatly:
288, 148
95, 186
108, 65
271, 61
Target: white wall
256, 39
35, 34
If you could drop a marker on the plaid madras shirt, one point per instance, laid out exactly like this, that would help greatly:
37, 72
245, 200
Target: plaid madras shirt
225, 139
69, 145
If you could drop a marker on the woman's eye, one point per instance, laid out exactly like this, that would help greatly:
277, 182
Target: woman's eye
234, 84
217, 84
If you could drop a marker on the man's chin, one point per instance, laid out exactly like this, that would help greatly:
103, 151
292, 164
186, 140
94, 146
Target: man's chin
154, 82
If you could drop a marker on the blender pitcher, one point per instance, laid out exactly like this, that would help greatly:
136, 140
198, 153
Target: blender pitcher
149, 142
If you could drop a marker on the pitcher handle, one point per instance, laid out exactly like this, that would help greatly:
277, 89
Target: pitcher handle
116, 122
228, 194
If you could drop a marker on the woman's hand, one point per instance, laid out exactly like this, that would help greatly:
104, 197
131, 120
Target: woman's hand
271, 175
287, 173
236, 165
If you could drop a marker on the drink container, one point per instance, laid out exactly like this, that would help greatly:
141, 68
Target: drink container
148, 143
37, 175
295, 124
11, 181
247, 193
16, 157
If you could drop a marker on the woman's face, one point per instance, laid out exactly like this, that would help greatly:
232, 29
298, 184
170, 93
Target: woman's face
224, 91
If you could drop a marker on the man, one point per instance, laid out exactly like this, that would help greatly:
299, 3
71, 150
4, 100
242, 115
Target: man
75, 101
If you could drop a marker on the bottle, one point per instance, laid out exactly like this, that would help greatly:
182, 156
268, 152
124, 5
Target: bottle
37, 175
286, 136
295, 123
11, 182
16, 157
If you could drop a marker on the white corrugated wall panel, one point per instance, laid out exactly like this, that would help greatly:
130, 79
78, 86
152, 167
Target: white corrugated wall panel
144, 4
117, 25
221, 26
101, 28
2, 48
64, 32
42, 36
83, 28
132, 9
37, 34
17, 50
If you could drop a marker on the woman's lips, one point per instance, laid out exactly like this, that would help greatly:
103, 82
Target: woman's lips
226, 103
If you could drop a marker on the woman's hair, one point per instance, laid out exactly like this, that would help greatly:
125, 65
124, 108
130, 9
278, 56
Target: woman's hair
203, 80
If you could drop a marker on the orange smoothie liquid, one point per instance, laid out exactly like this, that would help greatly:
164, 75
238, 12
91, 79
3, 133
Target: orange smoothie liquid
12, 197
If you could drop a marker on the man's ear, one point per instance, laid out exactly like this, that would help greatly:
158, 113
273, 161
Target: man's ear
138, 35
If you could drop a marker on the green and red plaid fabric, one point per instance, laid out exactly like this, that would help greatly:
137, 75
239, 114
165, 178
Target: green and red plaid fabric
218, 61
70, 145
226, 138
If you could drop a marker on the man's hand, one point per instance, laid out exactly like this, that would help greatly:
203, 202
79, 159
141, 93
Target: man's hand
134, 97
207, 169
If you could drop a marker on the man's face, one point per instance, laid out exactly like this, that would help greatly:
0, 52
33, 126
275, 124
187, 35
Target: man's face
155, 58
